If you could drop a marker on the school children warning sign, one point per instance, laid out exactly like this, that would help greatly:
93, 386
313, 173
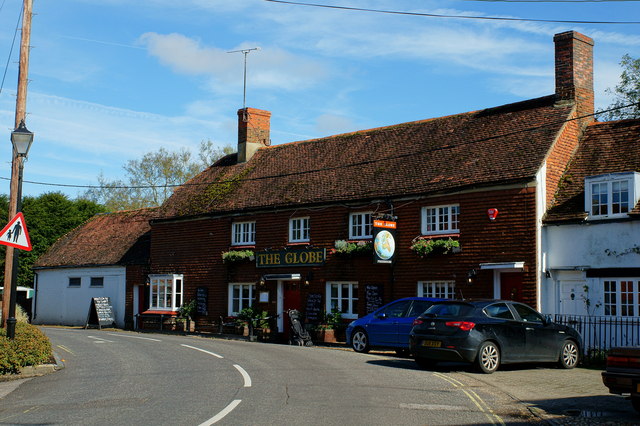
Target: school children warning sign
15, 234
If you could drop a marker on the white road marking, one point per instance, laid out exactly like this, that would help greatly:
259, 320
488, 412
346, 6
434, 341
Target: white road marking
134, 337
229, 408
245, 375
100, 339
434, 407
202, 350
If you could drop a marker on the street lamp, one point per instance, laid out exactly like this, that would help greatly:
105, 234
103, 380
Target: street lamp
21, 139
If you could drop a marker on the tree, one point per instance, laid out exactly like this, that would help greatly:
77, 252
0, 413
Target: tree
48, 217
151, 180
627, 92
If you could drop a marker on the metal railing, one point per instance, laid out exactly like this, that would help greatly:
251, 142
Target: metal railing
601, 333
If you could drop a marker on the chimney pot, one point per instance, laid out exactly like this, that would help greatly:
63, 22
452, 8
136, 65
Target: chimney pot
253, 132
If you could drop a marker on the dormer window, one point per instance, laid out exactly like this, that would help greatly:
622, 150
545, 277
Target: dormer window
612, 195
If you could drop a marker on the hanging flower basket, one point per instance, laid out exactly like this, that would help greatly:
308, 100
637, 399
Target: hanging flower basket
232, 256
352, 248
425, 247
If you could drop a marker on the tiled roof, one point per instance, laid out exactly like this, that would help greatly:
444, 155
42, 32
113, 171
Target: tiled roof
498, 145
106, 239
610, 147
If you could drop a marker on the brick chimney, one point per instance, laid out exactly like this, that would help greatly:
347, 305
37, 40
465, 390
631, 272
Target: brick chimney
253, 132
574, 72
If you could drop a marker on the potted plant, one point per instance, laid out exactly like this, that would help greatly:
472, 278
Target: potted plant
329, 329
187, 312
254, 319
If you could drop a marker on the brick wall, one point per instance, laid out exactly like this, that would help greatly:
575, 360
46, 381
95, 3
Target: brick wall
136, 275
194, 248
574, 71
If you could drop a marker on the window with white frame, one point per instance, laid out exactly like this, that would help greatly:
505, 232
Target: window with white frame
299, 230
611, 195
621, 297
360, 225
241, 296
439, 289
440, 219
243, 233
343, 296
166, 292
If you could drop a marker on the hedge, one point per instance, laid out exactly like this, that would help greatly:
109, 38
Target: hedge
29, 347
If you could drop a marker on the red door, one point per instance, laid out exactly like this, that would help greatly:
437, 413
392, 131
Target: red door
511, 286
292, 300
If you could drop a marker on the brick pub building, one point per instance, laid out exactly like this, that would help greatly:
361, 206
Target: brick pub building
480, 180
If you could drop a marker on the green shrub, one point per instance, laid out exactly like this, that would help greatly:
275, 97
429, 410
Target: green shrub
29, 347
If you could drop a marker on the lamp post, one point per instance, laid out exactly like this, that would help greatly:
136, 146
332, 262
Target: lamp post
21, 139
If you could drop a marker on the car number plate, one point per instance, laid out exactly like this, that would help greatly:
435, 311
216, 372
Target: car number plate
431, 343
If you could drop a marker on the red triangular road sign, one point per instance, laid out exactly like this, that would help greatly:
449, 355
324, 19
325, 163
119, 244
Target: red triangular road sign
15, 234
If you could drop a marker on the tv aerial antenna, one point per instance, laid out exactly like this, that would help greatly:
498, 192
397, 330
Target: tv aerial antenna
244, 91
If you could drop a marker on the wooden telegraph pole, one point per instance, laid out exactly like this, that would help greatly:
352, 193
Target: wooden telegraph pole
21, 112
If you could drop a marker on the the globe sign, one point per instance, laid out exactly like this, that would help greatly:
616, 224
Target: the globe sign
384, 245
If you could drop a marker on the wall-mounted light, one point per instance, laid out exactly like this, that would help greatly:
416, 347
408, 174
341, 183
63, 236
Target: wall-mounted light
261, 282
471, 275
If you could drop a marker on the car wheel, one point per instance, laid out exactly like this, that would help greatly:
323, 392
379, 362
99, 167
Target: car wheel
635, 402
569, 355
360, 341
488, 359
425, 362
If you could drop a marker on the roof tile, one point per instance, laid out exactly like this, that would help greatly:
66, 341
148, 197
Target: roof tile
481, 148
105, 239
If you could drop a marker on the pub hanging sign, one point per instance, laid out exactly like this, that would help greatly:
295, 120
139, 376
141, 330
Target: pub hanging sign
303, 257
384, 241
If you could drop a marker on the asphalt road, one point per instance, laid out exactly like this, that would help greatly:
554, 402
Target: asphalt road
115, 377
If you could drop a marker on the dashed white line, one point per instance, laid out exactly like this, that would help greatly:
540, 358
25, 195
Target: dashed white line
229, 408
134, 337
202, 350
100, 339
245, 375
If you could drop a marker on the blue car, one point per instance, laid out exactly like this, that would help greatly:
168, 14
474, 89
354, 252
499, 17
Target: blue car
389, 326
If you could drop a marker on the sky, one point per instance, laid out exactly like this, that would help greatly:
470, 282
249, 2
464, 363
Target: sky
111, 80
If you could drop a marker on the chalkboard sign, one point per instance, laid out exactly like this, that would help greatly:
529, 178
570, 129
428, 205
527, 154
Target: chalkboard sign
314, 307
100, 313
202, 301
373, 297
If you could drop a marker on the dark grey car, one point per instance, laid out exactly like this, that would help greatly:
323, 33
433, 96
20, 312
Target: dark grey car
490, 333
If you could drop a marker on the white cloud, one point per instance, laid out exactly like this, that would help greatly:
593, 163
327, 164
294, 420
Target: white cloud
269, 68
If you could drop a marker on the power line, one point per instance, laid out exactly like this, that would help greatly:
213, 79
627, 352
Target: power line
360, 163
6, 67
435, 15
554, 1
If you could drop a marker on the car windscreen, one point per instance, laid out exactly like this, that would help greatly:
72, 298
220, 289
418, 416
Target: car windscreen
449, 310
418, 307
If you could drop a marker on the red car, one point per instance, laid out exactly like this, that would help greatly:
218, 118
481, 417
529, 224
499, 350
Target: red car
622, 375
